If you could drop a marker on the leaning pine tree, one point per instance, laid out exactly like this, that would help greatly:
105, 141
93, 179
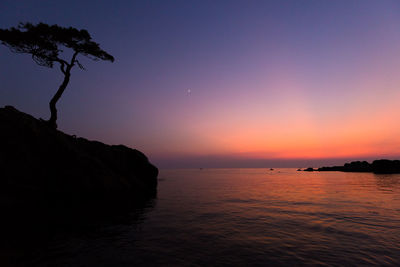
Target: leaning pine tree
45, 43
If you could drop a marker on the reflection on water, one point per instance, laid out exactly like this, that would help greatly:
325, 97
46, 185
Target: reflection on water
58, 240
387, 181
245, 217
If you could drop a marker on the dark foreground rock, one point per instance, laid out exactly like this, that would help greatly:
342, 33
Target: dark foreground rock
377, 166
45, 171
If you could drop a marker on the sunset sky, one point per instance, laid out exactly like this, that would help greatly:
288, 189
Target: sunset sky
223, 83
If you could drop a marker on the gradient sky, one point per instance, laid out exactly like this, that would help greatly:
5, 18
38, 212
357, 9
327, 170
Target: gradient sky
272, 83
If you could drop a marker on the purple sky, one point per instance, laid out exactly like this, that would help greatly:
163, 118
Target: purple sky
223, 83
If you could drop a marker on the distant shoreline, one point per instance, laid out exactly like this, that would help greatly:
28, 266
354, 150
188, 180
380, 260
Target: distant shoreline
384, 166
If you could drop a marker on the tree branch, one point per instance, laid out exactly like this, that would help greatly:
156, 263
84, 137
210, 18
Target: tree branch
62, 67
73, 58
80, 65
63, 63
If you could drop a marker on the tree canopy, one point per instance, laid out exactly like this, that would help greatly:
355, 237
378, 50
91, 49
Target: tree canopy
46, 43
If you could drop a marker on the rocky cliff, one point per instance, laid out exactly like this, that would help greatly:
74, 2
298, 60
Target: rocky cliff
41, 167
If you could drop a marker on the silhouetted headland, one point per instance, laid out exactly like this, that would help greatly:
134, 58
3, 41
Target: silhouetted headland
377, 166
45, 171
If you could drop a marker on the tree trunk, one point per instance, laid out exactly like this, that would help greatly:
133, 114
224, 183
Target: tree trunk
53, 118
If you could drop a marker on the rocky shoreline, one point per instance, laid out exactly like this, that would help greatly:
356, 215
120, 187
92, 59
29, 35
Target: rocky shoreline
45, 171
381, 166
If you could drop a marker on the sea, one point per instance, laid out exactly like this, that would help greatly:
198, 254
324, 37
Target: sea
240, 217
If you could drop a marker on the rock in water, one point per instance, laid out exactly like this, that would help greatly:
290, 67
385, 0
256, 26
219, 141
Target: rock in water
386, 166
378, 166
42, 167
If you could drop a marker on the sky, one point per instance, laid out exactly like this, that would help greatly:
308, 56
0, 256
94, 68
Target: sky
222, 83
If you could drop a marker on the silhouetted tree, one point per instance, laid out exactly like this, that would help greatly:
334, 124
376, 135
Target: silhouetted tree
45, 43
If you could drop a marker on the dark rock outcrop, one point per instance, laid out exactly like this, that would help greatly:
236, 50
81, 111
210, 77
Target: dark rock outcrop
377, 166
41, 167
355, 166
386, 166
309, 169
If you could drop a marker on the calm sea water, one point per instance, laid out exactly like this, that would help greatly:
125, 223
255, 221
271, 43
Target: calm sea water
244, 217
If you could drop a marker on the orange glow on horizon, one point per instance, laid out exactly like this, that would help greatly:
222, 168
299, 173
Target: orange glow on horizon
288, 127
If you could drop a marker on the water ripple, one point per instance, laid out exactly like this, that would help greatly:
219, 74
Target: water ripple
244, 217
